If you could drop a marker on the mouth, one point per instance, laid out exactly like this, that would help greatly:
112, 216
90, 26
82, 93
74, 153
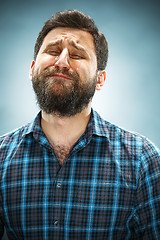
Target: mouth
60, 75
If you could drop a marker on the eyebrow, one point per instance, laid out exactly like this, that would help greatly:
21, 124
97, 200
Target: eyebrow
78, 47
71, 42
54, 43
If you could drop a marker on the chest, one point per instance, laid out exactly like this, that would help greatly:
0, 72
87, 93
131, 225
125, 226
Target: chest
40, 197
62, 152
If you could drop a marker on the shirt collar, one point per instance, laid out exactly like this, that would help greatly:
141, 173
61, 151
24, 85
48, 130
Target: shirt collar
96, 126
99, 126
34, 126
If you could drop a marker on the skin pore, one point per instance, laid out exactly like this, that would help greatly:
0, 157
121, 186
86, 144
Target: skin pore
72, 50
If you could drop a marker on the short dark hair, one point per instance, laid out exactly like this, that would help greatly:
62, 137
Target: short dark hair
75, 19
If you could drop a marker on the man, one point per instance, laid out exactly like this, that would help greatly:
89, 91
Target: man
69, 174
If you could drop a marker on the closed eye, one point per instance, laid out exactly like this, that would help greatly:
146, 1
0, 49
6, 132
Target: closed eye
75, 56
54, 53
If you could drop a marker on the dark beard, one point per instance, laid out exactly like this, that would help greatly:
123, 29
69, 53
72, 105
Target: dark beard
60, 97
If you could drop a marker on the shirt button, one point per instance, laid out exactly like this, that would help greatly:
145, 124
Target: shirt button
59, 185
56, 222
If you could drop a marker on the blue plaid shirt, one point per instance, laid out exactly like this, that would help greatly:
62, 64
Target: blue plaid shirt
108, 187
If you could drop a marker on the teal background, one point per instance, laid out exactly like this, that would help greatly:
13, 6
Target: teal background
130, 97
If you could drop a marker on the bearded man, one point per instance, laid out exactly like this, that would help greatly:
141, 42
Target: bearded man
69, 174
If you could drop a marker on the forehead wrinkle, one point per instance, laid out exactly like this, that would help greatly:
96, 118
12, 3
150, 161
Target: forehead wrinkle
71, 42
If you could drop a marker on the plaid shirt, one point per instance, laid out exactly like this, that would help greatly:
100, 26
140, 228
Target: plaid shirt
108, 187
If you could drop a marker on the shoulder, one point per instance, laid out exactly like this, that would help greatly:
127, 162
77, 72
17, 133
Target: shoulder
132, 140
14, 136
135, 155
8, 145
11, 141
125, 141
135, 149
116, 134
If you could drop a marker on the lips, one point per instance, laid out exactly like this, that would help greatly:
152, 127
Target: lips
60, 75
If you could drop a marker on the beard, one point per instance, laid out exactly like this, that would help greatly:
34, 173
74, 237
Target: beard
61, 97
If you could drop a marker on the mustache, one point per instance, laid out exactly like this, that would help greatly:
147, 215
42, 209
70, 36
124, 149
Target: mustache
52, 70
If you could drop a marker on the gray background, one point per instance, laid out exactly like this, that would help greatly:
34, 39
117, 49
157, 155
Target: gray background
130, 97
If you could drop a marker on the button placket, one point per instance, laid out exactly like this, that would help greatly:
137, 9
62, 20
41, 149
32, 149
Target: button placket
58, 185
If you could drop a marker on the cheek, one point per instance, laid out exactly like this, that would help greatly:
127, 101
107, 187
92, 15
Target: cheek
42, 63
77, 66
86, 69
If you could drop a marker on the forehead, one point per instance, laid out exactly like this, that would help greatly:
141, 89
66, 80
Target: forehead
81, 37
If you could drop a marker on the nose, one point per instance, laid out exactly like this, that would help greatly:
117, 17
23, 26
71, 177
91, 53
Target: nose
62, 60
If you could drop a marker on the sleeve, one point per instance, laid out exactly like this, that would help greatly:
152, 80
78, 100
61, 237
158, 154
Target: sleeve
1, 209
148, 193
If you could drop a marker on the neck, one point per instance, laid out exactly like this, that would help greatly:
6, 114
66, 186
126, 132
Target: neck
65, 130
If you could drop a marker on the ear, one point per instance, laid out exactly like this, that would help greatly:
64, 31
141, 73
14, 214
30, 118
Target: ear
31, 70
101, 79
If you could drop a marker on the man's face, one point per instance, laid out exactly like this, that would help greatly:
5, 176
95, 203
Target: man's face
64, 75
